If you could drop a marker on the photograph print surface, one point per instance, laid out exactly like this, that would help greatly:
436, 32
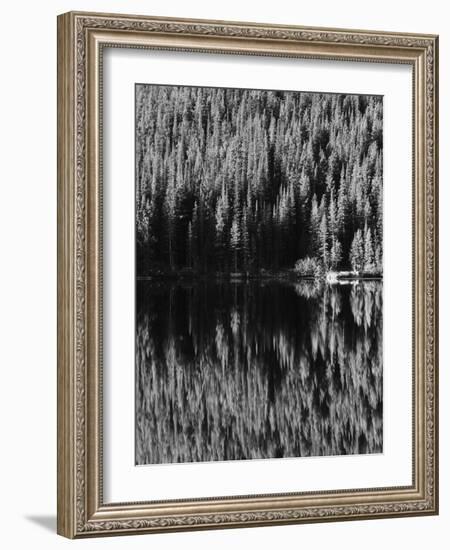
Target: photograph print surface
259, 254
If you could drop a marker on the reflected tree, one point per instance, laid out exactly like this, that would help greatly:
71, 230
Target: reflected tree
239, 371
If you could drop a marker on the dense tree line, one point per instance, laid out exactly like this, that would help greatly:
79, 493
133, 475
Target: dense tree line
244, 180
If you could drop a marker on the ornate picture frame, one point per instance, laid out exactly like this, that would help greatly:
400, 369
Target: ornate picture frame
82, 40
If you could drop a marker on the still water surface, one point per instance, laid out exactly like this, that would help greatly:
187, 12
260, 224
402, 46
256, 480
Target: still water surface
261, 369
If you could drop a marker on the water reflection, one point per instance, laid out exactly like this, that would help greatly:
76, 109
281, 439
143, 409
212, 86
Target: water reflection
261, 369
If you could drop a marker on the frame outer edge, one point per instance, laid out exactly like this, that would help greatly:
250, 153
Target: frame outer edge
66, 525
74, 481
436, 271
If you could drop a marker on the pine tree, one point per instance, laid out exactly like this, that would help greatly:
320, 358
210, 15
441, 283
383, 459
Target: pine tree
323, 239
369, 254
314, 226
357, 252
170, 211
335, 254
332, 215
246, 252
220, 229
235, 241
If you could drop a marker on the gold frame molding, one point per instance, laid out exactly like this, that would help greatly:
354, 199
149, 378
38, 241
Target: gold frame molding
81, 37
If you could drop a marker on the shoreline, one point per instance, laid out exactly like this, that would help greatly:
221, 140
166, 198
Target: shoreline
330, 277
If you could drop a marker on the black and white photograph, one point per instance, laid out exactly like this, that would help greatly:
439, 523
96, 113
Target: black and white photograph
259, 274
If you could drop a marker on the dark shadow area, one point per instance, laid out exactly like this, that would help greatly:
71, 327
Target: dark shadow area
46, 522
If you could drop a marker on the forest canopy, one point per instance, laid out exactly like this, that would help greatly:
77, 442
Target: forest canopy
234, 180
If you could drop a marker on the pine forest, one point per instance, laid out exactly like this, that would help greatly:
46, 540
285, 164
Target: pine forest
255, 181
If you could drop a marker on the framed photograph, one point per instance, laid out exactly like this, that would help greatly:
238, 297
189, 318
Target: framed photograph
247, 274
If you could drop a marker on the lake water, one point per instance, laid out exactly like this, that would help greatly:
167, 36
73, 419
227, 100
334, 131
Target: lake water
261, 369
